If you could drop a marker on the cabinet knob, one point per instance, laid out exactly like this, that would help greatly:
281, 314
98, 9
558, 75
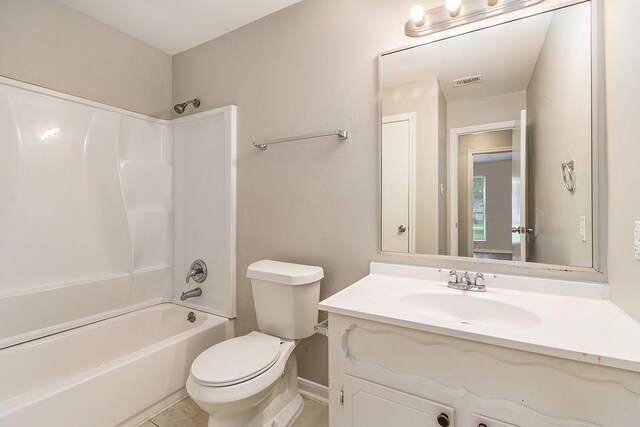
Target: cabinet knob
443, 420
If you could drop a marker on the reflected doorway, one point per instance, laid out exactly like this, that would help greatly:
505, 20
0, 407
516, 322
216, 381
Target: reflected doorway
477, 232
490, 205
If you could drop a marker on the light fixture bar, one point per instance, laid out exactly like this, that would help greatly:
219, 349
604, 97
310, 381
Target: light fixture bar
440, 19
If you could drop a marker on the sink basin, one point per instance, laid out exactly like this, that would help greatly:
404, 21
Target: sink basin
470, 309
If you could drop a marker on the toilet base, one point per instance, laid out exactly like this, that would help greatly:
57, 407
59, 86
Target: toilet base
277, 406
288, 414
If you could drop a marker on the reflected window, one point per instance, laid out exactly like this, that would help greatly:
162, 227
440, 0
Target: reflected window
479, 208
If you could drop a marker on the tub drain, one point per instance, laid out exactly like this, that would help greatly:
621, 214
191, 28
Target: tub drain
191, 317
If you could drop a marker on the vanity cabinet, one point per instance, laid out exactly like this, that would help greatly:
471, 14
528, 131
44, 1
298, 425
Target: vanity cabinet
386, 375
370, 404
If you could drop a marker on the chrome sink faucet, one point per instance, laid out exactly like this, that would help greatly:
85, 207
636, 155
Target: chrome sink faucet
465, 283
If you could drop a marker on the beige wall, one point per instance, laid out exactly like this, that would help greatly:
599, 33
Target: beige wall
498, 205
559, 130
481, 111
623, 127
466, 143
48, 44
310, 67
422, 97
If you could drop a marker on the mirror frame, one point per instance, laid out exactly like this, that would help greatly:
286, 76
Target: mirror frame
596, 273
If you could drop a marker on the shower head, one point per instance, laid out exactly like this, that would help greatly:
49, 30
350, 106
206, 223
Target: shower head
179, 108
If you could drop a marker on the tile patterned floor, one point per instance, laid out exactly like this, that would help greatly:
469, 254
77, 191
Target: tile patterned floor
314, 414
186, 413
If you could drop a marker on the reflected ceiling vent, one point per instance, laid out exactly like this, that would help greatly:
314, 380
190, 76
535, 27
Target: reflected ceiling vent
465, 81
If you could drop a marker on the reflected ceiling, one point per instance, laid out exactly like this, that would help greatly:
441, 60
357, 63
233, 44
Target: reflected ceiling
460, 57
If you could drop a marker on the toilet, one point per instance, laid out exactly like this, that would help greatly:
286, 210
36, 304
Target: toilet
252, 380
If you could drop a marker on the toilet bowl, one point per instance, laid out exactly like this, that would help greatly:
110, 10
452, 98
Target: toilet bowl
252, 380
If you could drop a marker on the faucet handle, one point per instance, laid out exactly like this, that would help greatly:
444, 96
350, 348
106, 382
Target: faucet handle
453, 276
198, 271
478, 283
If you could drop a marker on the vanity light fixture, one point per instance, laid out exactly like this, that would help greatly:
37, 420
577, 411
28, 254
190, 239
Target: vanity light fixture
416, 14
458, 12
453, 7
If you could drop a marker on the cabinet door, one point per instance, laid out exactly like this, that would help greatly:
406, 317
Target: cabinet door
367, 404
482, 420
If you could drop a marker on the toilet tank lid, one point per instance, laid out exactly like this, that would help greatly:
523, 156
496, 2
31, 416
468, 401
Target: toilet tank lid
284, 272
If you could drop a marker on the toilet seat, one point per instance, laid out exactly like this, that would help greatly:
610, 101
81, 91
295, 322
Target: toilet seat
236, 360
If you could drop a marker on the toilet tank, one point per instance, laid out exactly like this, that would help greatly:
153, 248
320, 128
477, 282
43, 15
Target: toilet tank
286, 297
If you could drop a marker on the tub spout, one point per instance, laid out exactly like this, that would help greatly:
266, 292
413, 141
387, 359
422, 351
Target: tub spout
191, 294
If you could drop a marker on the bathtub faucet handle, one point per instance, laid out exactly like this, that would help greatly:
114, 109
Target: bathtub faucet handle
198, 271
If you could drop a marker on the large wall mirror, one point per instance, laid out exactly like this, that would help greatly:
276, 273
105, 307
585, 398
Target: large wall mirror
486, 143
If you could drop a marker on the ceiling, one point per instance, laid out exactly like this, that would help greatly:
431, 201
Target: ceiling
177, 25
505, 55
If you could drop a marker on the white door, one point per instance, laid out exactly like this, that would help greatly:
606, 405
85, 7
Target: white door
397, 169
519, 190
367, 404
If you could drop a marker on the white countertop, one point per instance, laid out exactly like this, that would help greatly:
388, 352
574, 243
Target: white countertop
577, 321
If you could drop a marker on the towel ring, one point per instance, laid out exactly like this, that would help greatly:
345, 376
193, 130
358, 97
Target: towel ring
568, 176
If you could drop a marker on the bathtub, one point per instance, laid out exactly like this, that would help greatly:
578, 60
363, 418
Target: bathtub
116, 372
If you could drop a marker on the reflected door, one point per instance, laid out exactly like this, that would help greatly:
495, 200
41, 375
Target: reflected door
397, 135
519, 190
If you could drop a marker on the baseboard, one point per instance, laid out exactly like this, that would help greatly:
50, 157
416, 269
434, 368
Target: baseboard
313, 391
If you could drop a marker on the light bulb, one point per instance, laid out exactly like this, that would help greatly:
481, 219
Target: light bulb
417, 15
453, 6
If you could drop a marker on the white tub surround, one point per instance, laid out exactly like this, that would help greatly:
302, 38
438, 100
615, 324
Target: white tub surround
86, 211
115, 372
205, 207
525, 352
